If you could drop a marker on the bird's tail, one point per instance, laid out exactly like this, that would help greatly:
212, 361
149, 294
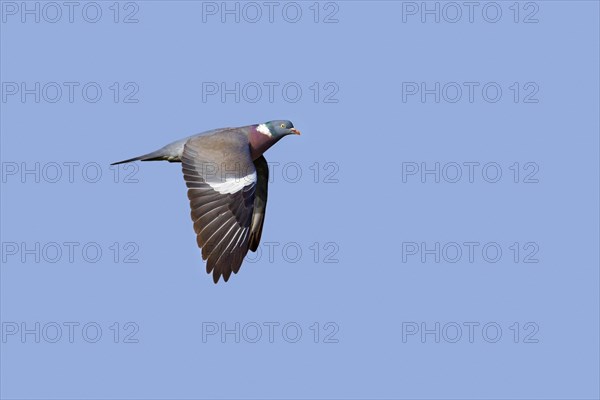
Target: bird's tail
171, 152
154, 156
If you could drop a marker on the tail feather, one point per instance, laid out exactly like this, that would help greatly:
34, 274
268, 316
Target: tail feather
171, 152
154, 156
126, 161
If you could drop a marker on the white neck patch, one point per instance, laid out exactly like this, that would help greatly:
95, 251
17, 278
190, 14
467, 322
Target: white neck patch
264, 129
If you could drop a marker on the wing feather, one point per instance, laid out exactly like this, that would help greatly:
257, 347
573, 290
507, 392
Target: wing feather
222, 190
260, 202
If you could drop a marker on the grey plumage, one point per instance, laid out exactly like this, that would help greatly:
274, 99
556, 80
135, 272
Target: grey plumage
227, 179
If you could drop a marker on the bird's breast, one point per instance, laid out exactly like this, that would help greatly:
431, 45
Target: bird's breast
259, 143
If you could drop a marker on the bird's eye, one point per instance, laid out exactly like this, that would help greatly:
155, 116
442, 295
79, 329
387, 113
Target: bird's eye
282, 125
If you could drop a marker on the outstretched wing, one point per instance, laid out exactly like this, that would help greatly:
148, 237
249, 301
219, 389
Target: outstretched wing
222, 182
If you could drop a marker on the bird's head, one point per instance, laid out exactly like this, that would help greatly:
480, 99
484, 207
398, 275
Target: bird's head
279, 129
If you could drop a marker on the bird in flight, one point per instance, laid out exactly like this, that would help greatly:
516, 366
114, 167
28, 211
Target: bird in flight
227, 178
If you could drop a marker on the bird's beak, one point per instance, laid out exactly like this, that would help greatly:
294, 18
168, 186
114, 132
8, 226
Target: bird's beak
295, 131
